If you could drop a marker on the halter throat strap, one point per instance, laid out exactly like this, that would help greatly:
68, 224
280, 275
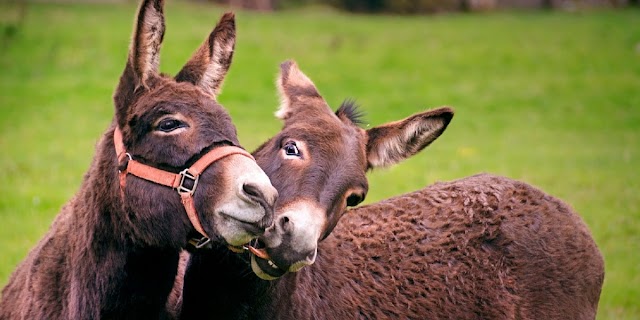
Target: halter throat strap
184, 183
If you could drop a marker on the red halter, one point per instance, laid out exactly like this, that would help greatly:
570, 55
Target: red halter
175, 180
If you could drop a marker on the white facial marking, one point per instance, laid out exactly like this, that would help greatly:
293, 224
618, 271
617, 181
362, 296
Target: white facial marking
236, 207
308, 222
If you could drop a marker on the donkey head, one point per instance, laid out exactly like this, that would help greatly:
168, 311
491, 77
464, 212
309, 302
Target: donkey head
318, 164
169, 125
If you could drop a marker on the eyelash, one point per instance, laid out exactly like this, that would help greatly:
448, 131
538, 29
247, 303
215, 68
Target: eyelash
291, 149
170, 124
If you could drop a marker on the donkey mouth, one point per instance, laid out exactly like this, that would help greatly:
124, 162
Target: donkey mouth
254, 228
266, 269
261, 262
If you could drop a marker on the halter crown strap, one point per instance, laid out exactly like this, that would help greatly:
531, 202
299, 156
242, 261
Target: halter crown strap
174, 180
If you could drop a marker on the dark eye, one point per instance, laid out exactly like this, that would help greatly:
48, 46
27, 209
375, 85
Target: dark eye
354, 199
291, 149
168, 125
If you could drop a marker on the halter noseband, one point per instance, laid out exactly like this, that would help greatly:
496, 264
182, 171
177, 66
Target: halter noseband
175, 180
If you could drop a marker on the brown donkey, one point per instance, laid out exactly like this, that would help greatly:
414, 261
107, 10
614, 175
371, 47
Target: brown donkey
483, 247
112, 252
318, 164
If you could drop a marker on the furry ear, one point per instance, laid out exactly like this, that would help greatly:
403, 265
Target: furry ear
209, 65
393, 142
144, 54
296, 90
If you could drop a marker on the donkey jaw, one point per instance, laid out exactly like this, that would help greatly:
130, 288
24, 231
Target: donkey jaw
265, 269
238, 232
292, 241
268, 270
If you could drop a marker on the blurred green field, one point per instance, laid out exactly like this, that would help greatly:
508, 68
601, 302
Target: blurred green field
552, 98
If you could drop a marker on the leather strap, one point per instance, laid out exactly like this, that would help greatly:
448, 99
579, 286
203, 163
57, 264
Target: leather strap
174, 180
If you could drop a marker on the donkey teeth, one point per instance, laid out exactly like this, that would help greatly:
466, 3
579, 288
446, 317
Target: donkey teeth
272, 265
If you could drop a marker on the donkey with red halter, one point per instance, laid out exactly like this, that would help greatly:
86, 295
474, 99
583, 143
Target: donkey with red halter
112, 252
481, 247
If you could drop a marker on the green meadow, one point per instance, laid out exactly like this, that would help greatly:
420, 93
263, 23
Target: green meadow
551, 98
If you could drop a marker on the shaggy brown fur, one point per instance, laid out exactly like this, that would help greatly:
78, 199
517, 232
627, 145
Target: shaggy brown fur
113, 253
483, 247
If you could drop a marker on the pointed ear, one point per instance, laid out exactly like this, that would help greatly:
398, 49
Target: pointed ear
296, 90
393, 142
144, 54
210, 63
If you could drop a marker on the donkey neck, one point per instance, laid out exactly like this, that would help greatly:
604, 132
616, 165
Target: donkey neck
125, 271
241, 294
236, 288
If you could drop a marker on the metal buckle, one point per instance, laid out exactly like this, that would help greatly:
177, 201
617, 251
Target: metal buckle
184, 176
199, 243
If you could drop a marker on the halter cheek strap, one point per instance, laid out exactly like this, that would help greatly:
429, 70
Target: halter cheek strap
184, 183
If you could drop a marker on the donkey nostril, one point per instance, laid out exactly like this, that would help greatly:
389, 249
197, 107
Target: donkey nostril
253, 192
285, 224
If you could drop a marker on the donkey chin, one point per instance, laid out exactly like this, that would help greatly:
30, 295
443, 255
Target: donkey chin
291, 243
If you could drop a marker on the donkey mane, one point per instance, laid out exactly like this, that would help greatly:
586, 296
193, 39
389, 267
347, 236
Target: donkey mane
349, 109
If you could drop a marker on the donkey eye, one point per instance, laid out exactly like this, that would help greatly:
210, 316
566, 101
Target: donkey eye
168, 125
354, 199
291, 149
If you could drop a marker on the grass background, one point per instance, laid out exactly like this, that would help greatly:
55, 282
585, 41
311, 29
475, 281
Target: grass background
552, 98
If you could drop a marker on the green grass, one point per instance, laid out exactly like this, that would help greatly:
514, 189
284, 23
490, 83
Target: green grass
552, 98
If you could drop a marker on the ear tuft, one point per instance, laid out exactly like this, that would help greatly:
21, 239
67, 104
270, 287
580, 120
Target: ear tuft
350, 111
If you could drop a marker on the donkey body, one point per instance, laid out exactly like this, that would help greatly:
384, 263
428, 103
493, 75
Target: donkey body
484, 247
112, 252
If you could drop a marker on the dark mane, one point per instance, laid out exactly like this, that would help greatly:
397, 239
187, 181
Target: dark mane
352, 111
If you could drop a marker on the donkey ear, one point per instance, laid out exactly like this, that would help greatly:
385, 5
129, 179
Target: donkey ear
393, 142
296, 90
144, 53
210, 63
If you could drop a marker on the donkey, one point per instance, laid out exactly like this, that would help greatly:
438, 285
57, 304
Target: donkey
112, 252
318, 163
483, 247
